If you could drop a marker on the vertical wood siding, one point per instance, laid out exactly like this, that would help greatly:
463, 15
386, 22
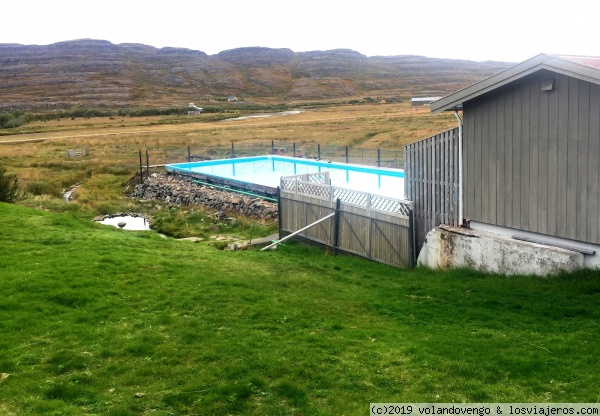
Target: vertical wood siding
431, 182
531, 157
371, 226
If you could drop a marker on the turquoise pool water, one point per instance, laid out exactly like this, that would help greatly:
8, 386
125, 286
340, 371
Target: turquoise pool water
267, 171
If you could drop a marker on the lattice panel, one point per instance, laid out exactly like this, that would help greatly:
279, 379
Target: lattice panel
308, 188
351, 197
321, 177
389, 205
288, 184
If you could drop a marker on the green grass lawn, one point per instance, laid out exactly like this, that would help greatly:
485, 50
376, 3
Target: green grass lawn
96, 320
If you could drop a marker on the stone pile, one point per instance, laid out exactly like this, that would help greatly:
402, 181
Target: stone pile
181, 192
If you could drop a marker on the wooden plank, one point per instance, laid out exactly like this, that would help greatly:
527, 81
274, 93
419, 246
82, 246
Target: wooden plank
534, 129
485, 160
477, 142
455, 180
469, 172
593, 165
507, 195
562, 162
525, 151
543, 143
582, 160
572, 155
553, 158
517, 147
500, 175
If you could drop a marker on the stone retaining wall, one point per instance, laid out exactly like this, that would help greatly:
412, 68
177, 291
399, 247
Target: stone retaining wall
182, 192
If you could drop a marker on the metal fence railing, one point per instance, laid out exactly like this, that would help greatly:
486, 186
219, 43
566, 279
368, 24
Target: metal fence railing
342, 154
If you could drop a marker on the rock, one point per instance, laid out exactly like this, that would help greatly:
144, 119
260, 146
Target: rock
182, 192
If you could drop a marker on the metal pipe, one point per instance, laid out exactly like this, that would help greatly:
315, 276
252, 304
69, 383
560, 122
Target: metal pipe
297, 232
235, 190
460, 169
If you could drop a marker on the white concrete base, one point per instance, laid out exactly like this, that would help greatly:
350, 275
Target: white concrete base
449, 247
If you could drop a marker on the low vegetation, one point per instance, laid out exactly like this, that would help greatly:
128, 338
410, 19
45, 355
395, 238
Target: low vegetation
9, 186
96, 320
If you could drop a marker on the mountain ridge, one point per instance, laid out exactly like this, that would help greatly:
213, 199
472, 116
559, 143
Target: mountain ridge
98, 73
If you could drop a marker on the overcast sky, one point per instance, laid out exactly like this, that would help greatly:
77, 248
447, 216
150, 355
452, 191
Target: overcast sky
508, 30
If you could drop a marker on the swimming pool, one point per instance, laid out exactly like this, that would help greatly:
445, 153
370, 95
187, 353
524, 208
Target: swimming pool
264, 173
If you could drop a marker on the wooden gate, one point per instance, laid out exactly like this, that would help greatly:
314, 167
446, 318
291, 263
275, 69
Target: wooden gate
371, 226
431, 181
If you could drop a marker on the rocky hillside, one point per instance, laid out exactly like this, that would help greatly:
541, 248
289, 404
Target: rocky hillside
96, 73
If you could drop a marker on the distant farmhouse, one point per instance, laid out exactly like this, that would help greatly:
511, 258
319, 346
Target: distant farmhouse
421, 101
232, 98
192, 109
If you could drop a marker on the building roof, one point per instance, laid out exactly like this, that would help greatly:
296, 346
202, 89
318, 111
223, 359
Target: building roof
586, 68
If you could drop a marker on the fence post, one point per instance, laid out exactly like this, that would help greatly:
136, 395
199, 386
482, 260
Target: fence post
318, 151
378, 157
141, 168
346, 154
294, 151
336, 226
279, 211
189, 155
272, 146
232, 151
147, 164
411, 238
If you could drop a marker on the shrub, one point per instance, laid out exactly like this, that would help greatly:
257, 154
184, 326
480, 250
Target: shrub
41, 187
9, 186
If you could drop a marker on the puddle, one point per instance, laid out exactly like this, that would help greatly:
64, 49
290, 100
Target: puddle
128, 222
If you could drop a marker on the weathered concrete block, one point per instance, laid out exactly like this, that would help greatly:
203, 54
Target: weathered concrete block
450, 247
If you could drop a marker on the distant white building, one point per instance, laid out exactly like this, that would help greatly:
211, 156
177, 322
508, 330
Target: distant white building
419, 101
192, 109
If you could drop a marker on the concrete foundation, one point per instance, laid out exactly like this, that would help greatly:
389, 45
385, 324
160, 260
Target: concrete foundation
450, 247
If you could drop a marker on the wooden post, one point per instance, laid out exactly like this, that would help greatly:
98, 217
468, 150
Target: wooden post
147, 165
411, 239
378, 158
232, 151
294, 153
336, 226
318, 151
189, 155
141, 168
279, 212
272, 146
346, 154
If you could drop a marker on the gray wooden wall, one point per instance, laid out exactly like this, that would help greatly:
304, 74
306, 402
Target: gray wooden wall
531, 157
431, 182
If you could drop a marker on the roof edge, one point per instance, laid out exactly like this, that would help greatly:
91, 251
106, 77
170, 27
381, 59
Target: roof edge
554, 63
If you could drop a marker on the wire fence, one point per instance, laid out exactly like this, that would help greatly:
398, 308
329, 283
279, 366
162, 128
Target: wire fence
342, 154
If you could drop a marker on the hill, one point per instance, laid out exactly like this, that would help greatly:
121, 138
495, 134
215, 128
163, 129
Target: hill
97, 73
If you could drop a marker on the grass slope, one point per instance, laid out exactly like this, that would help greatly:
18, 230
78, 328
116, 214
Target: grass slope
95, 320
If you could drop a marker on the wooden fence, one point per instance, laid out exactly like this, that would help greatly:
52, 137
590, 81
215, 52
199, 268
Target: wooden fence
371, 226
431, 181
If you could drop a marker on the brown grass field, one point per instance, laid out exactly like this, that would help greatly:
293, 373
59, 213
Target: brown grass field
37, 151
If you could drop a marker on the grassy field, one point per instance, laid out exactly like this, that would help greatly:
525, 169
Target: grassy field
96, 320
37, 152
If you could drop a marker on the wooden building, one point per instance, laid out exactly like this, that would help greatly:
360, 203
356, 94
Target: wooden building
531, 150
